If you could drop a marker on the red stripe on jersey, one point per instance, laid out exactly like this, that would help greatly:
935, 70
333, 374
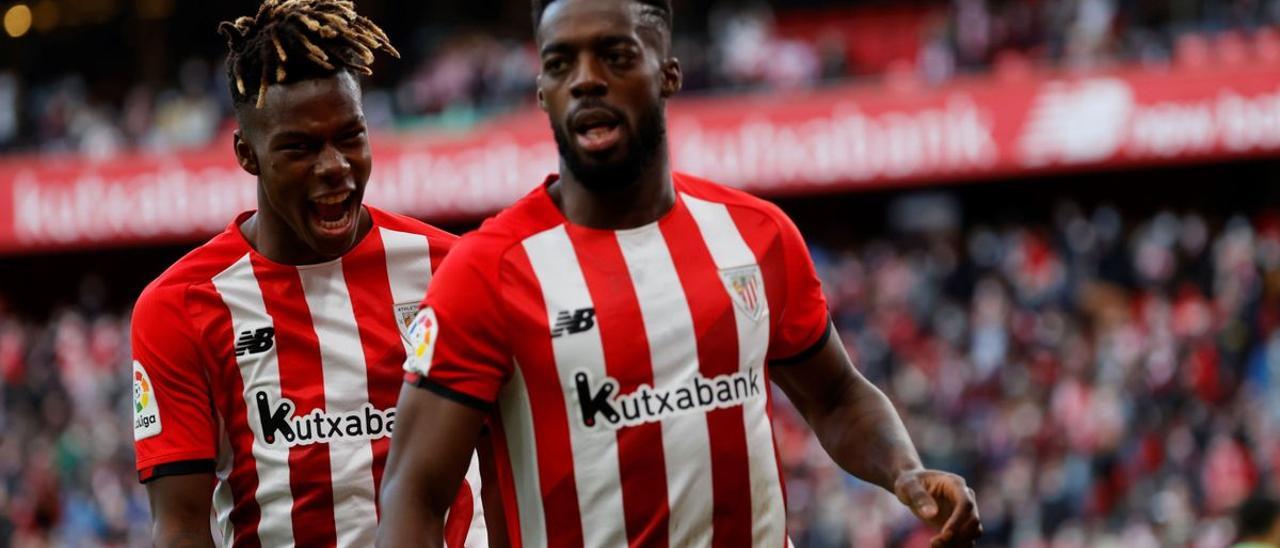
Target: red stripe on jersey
547, 404
245, 512
458, 522
641, 461
298, 354
717, 355
379, 336
761, 236
501, 517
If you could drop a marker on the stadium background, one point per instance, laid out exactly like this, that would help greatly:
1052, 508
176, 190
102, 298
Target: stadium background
1049, 229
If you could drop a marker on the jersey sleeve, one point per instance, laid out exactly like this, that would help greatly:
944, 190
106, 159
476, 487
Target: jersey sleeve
804, 323
173, 425
459, 348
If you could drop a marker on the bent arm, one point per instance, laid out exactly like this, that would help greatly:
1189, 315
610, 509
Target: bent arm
180, 510
852, 419
429, 456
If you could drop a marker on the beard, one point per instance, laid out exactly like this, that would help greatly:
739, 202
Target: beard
643, 147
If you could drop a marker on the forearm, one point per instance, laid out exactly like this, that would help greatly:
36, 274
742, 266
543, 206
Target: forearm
864, 434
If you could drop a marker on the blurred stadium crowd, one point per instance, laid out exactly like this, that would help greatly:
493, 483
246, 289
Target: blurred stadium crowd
456, 77
1101, 381
1100, 384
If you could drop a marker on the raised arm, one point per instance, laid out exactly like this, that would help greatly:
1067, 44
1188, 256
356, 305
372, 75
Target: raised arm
430, 453
860, 429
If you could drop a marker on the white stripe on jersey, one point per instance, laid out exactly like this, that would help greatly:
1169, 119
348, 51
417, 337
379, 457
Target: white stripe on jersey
729, 249
239, 290
673, 350
478, 532
595, 451
223, 499
408, 264
346, 389
522, 450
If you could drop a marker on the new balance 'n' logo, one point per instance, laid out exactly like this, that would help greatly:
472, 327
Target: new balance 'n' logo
574, 322
256, 342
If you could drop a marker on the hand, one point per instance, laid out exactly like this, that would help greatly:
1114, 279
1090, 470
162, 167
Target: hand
943, 501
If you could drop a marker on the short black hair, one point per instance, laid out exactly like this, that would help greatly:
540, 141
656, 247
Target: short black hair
293, 40
657, 12
1257, 516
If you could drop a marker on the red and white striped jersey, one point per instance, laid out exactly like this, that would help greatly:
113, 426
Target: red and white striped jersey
283, 381
625, 370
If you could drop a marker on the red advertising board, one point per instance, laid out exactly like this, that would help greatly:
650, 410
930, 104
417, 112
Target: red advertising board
834, 139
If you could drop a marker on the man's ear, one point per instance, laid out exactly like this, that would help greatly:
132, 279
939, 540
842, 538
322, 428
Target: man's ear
244, 154
672, 77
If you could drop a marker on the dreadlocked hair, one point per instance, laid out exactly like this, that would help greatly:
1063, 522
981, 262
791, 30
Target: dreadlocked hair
293, 40
655, 12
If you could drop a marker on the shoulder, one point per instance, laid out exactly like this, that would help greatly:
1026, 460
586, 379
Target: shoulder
404, 223
164, 300
485, 251
741, 205
508, 229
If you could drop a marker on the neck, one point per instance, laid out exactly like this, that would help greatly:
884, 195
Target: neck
643, 201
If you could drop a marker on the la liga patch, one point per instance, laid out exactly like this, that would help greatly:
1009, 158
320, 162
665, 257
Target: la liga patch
146, 411
422, 341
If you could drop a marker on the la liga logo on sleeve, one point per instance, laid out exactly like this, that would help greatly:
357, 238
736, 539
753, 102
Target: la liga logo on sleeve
422, 342
146, 413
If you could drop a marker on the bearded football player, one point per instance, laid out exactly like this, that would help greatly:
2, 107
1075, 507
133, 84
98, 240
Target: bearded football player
618, 329
267, 362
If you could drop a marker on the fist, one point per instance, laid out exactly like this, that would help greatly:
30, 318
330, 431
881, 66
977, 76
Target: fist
943, 501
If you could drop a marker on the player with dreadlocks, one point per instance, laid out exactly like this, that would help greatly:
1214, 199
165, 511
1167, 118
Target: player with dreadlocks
267, 362
618, 329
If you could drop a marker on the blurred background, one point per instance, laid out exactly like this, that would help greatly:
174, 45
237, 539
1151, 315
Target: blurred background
1048, 229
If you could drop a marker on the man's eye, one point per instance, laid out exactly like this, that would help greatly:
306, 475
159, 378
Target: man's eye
553, 65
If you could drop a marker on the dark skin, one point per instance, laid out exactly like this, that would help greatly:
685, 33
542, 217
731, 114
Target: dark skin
595, 52
180, 507
307, 142
589, 61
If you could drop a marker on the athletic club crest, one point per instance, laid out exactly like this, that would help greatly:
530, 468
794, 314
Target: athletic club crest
746, 288
404, 317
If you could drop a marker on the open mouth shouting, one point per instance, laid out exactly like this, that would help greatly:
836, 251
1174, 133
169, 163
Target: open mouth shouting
334, 214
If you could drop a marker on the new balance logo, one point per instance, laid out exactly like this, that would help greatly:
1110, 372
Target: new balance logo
279, 424
574, 322
256, 342
600, 404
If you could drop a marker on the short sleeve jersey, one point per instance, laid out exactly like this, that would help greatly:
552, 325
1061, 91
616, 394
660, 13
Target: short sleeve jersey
625, 371
283, 380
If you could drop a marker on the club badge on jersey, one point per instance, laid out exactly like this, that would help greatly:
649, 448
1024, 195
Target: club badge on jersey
405, 313
745, 288
146, 412
422, 341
